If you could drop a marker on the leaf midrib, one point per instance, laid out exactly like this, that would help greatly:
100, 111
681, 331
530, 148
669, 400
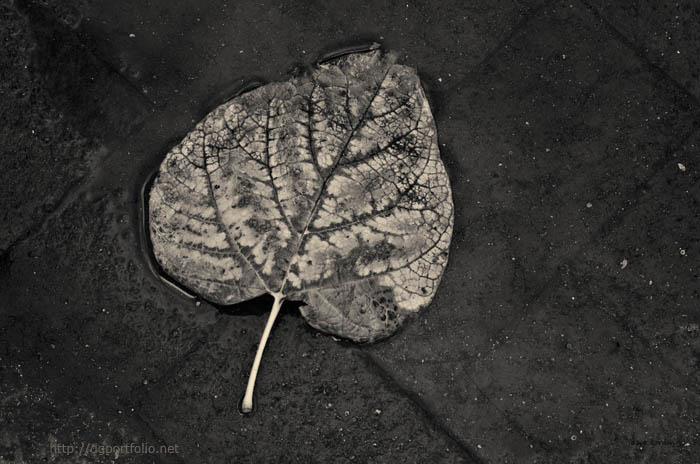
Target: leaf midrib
234, 245
322, 190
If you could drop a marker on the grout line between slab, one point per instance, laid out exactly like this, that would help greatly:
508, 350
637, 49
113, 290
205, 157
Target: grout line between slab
636, 195
653, 68
514, 31
424, 410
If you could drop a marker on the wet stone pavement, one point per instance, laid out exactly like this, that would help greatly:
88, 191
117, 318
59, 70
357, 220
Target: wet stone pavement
566, 327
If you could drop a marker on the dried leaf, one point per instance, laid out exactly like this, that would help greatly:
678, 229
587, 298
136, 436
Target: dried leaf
327, 188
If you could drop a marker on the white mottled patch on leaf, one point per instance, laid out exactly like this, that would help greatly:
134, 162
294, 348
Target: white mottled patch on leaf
326, 188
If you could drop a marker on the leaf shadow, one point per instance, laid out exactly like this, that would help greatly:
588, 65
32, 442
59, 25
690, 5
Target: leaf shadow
258, 306
338, 50
229, 93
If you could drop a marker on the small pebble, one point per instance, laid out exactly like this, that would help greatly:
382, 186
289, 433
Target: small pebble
681, 166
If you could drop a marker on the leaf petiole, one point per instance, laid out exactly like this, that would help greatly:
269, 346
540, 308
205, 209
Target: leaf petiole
247, 403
